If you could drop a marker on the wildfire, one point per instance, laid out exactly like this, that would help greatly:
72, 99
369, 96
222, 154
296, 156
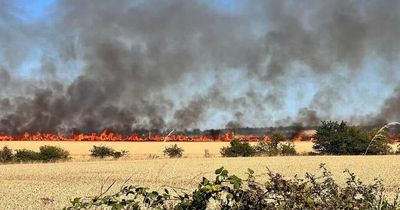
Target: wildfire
135, 137
111, 136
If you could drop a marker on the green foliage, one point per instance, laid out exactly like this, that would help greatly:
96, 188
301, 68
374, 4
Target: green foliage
173, 151
6, 155
53, 153
227, 191
271, 148
264, 148
104, 151
340, 139
47, 153
238, 149
276, 138
287, 149
25, 155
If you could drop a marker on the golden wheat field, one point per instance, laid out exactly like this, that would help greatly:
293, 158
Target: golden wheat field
137, 150
52, 185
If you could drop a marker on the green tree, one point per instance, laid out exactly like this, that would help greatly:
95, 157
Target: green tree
276, 138
238, 149
340, 139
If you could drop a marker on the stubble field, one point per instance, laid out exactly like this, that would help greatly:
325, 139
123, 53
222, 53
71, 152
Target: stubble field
52, 185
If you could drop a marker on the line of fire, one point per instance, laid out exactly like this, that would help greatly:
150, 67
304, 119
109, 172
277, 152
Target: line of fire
296, 134
213, 135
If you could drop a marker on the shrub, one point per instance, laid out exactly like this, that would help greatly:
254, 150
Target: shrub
270, 148
276, 138
6, 155
264, 148
24, 155
53, 153
173, 151
340, 139
238, 149
119, 154
104, 151
287, 149
227, 191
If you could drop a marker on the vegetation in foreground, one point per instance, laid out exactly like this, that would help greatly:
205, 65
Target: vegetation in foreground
231, 192
85, 178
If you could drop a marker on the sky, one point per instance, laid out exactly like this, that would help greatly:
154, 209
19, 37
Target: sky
204, 64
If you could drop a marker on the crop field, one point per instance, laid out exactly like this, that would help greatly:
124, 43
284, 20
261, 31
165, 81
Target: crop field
137, 150
52, 185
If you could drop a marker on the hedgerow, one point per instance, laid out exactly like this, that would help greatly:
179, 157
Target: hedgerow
46, 153
227, 191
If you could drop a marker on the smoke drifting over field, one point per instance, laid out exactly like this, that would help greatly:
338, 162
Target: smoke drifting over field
185, 64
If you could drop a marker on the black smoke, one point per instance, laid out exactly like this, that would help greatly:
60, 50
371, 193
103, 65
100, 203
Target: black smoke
123, 65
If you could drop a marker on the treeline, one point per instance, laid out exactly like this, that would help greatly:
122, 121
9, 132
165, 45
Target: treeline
331, 138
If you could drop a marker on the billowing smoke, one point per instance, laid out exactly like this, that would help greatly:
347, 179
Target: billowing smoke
184, 64
390, 110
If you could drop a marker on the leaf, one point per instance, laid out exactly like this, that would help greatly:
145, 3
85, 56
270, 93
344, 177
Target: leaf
76, 201
236, 185
310, 201
250, 171
116, 206
224, 173
218, 171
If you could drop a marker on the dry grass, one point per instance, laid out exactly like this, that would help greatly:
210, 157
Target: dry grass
137, 150
50, 186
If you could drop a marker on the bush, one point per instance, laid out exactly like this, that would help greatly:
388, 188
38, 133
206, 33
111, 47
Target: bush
227, 191
270, 148
276, 138
340, 139
264, 148
24, 155
238, 149
6, 155
173, 151
53, 153
104, 151
119, 154
287, 149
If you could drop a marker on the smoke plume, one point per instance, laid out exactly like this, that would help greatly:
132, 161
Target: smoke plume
155, 64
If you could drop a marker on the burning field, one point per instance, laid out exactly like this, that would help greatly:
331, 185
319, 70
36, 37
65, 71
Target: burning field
215, 79
50, 186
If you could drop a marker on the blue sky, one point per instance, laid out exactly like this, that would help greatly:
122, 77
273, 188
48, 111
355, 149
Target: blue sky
33, 9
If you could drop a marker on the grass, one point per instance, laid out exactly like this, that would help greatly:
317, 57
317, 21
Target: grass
48, 186
51, 185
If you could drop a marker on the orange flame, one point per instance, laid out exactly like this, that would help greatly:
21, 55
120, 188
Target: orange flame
111, 136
